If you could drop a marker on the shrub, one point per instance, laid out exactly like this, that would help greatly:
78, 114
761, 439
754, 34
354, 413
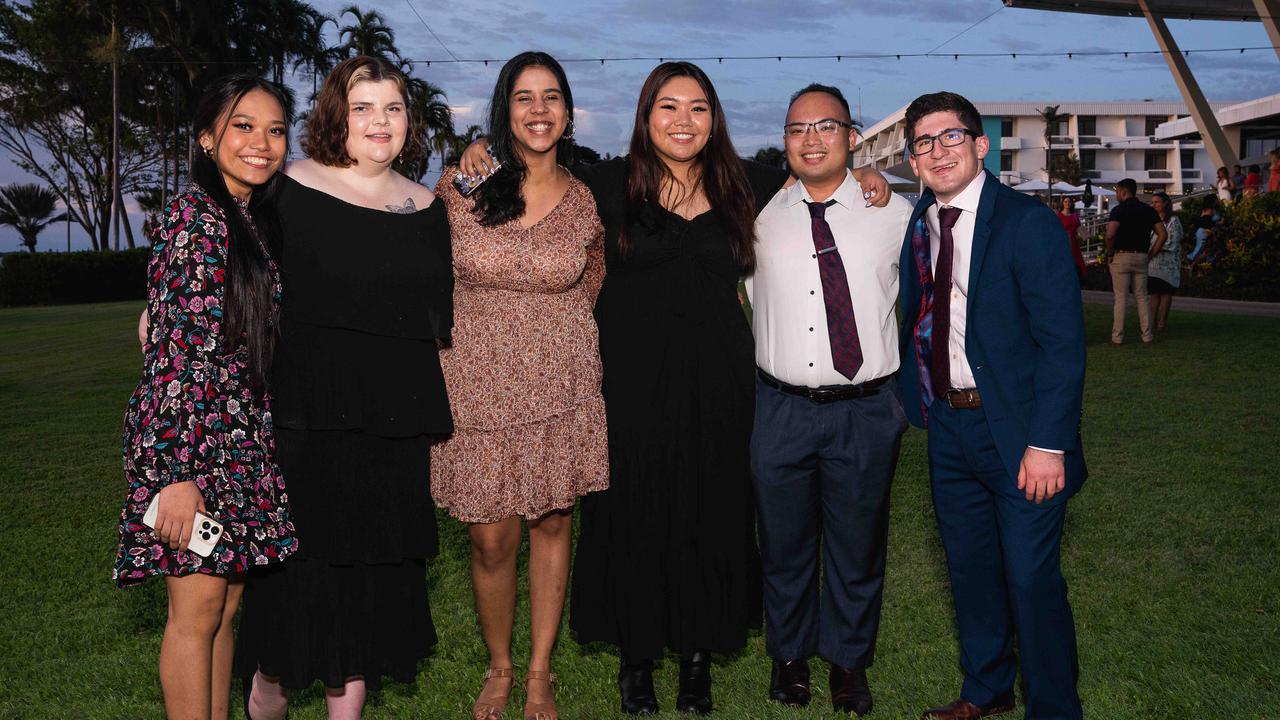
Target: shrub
78, 277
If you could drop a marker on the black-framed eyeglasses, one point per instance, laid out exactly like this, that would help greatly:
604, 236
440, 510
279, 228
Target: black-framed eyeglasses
825, 126
951, 137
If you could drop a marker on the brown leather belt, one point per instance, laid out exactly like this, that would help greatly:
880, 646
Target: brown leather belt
830, 393
963, 398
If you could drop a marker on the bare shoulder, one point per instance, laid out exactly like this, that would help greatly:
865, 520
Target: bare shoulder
306, 171
409, 197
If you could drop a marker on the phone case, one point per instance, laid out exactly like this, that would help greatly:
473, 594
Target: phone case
467, 184
205, 534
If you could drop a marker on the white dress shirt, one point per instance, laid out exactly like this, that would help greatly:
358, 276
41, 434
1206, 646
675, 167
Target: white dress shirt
789, 314
961, 254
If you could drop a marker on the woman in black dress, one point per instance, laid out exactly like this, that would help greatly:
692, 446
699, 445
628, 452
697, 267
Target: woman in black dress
359, 396
667, 557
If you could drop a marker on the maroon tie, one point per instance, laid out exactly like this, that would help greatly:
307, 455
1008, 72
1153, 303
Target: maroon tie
939, 363
842, 329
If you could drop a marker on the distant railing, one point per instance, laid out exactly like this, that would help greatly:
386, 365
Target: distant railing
1091, 174
1160, 174
1090, 140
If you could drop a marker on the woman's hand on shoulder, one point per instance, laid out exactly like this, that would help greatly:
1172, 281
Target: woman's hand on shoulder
176, 514
475, 159
875, 189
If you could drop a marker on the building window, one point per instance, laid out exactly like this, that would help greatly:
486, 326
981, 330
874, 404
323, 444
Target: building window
1088, 124
1187, 159
1006, 161
1088, 159
1006, 127
1154, 121
1156, 160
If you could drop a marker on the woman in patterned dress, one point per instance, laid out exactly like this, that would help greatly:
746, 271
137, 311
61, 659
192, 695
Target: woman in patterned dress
197, 432
524, 370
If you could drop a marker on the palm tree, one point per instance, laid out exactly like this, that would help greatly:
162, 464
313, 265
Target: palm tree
432, 120
368, 35
458, 144
1052, 119
28, 208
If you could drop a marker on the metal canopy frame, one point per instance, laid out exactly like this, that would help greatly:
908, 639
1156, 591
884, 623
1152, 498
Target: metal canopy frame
1156, 12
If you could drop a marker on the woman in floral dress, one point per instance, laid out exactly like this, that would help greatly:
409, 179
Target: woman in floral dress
197, 432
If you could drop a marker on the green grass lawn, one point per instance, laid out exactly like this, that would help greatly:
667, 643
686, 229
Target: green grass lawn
1172, 549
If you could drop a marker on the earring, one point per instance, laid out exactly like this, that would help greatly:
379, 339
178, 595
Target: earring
208, 151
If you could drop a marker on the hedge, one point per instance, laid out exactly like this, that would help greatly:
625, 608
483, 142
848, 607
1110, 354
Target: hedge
78, 277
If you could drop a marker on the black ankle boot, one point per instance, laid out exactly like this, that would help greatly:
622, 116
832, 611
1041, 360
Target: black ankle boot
695, 684
635, 683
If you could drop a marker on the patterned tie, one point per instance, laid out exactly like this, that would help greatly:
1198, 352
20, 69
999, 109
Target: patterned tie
842, 329
939, 362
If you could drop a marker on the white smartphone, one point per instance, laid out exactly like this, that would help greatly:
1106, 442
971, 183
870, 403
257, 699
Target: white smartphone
205, 533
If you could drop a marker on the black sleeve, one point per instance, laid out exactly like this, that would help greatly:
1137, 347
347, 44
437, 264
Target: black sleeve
765, 181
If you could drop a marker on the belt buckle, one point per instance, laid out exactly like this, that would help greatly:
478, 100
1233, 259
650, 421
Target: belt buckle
822, 396
958, 392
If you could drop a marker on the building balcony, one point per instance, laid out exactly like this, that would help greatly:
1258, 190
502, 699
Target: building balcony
1011, 143
1107, 177
1160, 174
1090, 140
1191, 174
1061, 140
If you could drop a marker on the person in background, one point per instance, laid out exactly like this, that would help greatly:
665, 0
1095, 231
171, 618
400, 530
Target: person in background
1273, 171
1070, 220
1226, 187
197, 432
523, 371
1164, 269
1253, 182
1129, 228
1237, 183
1205, 223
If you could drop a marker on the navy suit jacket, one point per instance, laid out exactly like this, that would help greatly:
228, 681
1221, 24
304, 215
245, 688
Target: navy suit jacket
1024, 328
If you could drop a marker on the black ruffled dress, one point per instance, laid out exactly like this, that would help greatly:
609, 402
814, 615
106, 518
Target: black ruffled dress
358, 398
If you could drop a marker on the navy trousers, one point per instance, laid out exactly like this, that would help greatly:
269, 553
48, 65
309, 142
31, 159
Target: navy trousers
1003, 559
822, 473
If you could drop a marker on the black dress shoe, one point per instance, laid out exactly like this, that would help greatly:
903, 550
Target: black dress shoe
789, 682
695, 684
849, 690
635, 683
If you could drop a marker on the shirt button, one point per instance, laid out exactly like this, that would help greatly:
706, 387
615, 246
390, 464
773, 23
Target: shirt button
814, 255
810, 329
810, 292
810, 364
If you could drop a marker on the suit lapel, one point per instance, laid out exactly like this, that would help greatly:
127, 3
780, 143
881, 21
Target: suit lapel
981, 234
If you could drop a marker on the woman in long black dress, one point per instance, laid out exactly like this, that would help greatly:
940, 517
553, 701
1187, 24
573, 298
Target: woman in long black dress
667, 557
359, 395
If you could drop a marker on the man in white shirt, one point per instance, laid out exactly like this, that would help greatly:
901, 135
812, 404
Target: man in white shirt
993, 364
828, 421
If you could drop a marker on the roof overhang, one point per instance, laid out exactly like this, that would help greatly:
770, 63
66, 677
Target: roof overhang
1169, 9
1262, 108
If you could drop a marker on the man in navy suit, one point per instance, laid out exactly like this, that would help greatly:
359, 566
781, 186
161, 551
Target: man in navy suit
992, 346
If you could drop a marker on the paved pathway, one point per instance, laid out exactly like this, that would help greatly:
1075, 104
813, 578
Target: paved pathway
1205, 305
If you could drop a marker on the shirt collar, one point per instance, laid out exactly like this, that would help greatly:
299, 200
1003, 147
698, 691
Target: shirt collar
845, 195
970, 196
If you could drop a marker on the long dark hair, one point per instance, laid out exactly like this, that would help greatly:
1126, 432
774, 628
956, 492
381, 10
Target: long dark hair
718, 167
247, 303
499, 200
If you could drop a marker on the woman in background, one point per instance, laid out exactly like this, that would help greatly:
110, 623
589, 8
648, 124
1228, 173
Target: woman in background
1071, 223
1164, 269
1225, 185
197, 433
1204, 227
524, 371
359, 397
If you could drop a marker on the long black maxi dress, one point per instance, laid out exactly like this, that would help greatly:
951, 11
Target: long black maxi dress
667, 556
359, 396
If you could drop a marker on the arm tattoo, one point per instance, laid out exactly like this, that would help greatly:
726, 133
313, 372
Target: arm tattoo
408, 208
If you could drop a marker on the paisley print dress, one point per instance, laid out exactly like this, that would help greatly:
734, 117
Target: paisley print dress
193, 416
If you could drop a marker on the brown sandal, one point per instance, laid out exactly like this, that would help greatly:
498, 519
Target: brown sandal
490, 707
540, 711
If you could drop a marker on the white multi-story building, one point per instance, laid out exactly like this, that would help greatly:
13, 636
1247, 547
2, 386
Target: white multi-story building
1113, 140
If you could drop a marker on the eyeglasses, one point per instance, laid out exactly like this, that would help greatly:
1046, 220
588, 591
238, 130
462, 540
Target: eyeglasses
951, 137
826, 127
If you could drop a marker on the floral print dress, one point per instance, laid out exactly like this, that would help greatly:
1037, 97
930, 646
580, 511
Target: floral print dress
194, 416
